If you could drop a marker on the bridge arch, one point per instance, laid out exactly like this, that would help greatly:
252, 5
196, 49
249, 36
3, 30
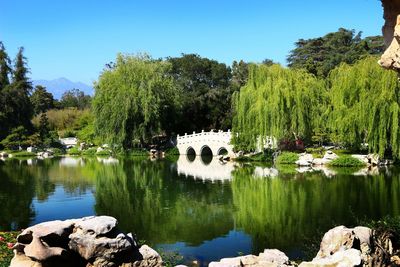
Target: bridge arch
190, 154
206, 151
222, 151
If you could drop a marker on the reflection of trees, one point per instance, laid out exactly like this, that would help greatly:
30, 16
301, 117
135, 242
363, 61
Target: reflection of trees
150, 200
16, 194
76, 179
281, 212
20, 183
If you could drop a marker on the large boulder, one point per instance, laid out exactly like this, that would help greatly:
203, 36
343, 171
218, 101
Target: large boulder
268, 258
391, 57
344, 258
90, 241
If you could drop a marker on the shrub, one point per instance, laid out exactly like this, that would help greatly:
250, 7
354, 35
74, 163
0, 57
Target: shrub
104, 153
346, 161
23, 154
74, 151
57, 151
317, 152
90, 152
287, 158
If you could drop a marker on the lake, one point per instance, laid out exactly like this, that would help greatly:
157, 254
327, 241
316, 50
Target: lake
201, 208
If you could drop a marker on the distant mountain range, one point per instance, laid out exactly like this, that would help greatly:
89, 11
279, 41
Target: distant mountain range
58, 86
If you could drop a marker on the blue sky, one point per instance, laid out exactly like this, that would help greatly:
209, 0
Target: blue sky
75, 38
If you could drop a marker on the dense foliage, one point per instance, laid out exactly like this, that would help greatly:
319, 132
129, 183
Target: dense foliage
134, 100
206, 93
358, 105
320, 55
276, 101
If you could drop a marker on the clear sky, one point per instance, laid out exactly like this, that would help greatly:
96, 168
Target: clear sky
75, 38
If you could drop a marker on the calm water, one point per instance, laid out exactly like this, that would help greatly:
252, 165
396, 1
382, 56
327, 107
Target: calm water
203, 209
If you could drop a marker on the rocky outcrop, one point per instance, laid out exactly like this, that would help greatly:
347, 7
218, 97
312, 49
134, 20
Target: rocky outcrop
90, 241
268, 258
391, 58
340, 247
391, 8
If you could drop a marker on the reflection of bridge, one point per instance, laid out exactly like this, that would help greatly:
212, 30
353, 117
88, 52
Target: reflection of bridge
203, 169
214, 143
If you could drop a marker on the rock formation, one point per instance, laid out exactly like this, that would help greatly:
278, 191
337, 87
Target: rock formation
391, 8
90, 241
340, 246
391, 58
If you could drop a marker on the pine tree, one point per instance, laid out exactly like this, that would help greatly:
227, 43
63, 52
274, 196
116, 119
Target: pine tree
18, 93
43, 126
5, 68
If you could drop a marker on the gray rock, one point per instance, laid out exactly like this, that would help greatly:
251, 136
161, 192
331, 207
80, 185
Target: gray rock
90, 246
329, 156
268, 258
98, 225
93, 241
343, 258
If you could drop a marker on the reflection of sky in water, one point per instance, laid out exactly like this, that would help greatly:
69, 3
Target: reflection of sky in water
231, 245
62, 205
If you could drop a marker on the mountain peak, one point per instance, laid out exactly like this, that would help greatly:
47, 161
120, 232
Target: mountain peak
59, 86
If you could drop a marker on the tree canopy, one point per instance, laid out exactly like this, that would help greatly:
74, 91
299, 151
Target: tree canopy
278, 102
41, 100
321, 55
206, 89
134, 100
356, 106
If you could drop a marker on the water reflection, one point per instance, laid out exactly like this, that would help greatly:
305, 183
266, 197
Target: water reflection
183, 205
204, 168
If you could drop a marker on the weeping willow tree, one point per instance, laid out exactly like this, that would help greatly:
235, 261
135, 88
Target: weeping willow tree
365, 107
134, 100
279, 102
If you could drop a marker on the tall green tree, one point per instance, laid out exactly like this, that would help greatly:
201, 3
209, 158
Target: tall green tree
5, 69
75, 98
134, 100
279, 102
18, 93
240, 74
206, 91
41, 100
5, 72
321, 55
365, 107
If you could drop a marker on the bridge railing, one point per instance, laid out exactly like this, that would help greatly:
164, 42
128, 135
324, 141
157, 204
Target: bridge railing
215, 135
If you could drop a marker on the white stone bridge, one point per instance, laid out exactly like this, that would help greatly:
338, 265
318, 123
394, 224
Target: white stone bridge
214, 143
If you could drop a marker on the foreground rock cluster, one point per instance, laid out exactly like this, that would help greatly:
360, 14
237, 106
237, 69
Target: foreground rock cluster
90, 241
340, 247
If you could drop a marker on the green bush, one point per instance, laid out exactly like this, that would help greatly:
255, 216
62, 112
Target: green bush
89, 152
23, 154
57, 151
346, 161
259, 157
317, 152
104, 153
74, 151
287, 158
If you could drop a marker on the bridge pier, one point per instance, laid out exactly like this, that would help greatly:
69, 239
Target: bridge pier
218, 143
